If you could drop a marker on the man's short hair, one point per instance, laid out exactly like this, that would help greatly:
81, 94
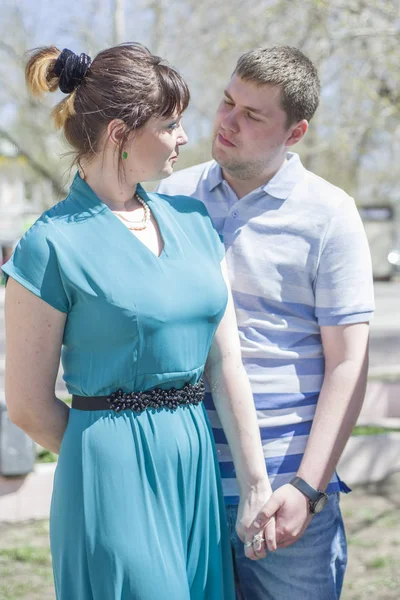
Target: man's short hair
289, 69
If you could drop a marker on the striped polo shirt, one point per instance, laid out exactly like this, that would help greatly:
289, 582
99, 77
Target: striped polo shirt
298, 259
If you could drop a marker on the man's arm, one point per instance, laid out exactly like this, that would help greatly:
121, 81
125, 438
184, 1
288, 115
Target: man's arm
339, 404
340, 401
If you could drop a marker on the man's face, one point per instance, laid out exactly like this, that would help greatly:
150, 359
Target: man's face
250, 131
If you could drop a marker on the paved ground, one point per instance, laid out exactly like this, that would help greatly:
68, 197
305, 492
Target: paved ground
385, 328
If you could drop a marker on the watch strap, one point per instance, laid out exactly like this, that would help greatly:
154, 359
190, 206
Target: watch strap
312, 494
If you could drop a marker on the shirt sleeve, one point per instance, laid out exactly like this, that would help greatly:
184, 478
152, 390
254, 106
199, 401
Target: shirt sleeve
34, 264
343, 286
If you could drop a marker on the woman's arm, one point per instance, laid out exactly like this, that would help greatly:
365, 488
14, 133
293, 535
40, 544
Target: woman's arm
34, 332
234, 403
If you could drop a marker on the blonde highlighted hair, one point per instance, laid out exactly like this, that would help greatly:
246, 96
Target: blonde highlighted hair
40, 78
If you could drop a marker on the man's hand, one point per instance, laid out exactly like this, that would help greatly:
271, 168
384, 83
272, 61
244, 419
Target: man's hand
292, 514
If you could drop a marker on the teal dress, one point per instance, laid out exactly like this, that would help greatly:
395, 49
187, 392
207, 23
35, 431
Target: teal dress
137, 510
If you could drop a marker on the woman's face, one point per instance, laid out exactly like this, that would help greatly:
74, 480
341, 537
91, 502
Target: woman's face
153, 151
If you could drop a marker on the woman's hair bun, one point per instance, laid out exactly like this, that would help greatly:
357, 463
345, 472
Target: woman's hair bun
71, 69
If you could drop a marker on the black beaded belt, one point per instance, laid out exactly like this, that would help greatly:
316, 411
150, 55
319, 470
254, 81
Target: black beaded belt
140, 401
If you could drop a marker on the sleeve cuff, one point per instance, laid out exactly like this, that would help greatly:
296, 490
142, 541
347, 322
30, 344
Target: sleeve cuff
361, 317
14, 274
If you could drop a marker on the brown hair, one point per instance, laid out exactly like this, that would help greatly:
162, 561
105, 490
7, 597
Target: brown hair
124, 82
291, 70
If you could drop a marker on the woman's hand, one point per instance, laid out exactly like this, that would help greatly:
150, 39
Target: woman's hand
258, 537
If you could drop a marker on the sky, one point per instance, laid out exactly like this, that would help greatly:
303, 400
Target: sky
64, 24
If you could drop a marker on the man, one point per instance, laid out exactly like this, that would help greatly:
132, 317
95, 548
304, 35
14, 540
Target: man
301, 279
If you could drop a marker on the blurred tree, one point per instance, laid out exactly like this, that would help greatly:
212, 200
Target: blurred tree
355, 134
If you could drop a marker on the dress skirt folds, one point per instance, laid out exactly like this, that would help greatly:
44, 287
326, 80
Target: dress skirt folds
137, 511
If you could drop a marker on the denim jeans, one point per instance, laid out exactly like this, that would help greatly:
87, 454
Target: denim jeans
311, 569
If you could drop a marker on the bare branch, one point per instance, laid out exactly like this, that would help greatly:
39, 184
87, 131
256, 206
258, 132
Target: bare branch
33, 163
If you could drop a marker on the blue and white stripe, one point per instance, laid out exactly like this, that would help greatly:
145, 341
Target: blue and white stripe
298, 259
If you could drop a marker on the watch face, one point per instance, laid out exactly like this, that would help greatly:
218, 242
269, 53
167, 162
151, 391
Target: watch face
320, 504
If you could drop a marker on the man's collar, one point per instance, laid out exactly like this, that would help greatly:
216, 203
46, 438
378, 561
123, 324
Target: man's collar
214, 176
281, 184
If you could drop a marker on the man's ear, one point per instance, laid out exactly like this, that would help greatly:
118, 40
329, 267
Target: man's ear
297, 131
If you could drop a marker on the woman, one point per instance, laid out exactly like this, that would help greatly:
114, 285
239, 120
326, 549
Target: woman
130, 286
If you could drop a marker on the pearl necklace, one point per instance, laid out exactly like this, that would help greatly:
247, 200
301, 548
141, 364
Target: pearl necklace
137, 225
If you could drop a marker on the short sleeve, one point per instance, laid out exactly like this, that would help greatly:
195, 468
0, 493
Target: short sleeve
344, 285
35, 265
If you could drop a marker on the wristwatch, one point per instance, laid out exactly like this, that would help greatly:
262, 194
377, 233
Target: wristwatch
317, 499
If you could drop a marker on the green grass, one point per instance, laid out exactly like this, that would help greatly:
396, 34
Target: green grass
27, 554
355, 541
372, 430
46, 456
385, 377
378, 562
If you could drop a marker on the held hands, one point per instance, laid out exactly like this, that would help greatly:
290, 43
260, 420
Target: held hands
281, 521
249, 525
291, 511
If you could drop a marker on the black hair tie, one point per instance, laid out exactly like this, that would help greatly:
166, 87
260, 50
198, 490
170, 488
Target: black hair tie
71, 68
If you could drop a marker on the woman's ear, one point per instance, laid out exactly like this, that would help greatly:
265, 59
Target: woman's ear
115, 131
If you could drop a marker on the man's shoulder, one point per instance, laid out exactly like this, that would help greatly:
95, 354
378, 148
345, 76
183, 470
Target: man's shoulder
323, 194
325, 185
186, 181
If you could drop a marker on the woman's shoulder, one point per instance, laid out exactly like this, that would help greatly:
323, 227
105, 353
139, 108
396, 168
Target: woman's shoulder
194, 216
46, 231
47, 222
35, 262
190, 212
181, 202
185, 207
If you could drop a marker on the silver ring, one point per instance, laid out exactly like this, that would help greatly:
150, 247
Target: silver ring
259, 538
248, 544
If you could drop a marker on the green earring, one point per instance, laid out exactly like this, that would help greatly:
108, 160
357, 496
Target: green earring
124, 155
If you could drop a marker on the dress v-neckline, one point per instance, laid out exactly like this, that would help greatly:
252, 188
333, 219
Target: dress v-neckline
82, 187
156, 216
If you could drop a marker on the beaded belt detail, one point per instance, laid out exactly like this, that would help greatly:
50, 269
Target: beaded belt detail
140, 401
